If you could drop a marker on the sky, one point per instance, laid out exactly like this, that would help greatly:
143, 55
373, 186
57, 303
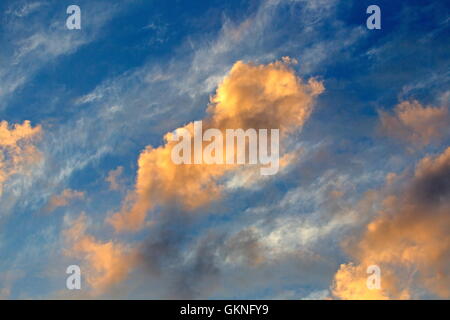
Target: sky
86, 176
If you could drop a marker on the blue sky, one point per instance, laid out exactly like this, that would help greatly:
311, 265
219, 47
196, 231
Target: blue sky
139, 69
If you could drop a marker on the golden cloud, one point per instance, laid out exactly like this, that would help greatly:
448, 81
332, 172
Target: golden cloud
17, 149
414, 123
409, 239
251, 96
63, 199
113, 178
105, 263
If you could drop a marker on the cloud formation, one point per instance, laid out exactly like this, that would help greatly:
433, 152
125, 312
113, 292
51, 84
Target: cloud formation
63, 199
251, 96
104, 263
409, 239
113, 178
415, 123
17, 149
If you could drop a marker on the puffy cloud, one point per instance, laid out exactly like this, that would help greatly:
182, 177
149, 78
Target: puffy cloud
105, 263
17, 150
63, 199
263, 96
414, 123
350, 283
251, 96
409, 239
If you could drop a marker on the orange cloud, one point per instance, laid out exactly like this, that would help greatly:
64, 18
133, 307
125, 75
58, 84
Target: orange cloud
105, 263
251, 96
350, 284
113, 178
63, 199
17, 150
414, 123
409, 239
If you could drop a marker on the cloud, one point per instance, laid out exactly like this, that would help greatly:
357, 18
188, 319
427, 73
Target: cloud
7, 280
17, 149
113, 177
252, 96
63, 199
414, 123
25, 9
112, 119
223, 262
409, 239
110, 114
104, 263
350, 283
90, 97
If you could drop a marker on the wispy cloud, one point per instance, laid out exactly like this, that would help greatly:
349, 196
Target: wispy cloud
33, 44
